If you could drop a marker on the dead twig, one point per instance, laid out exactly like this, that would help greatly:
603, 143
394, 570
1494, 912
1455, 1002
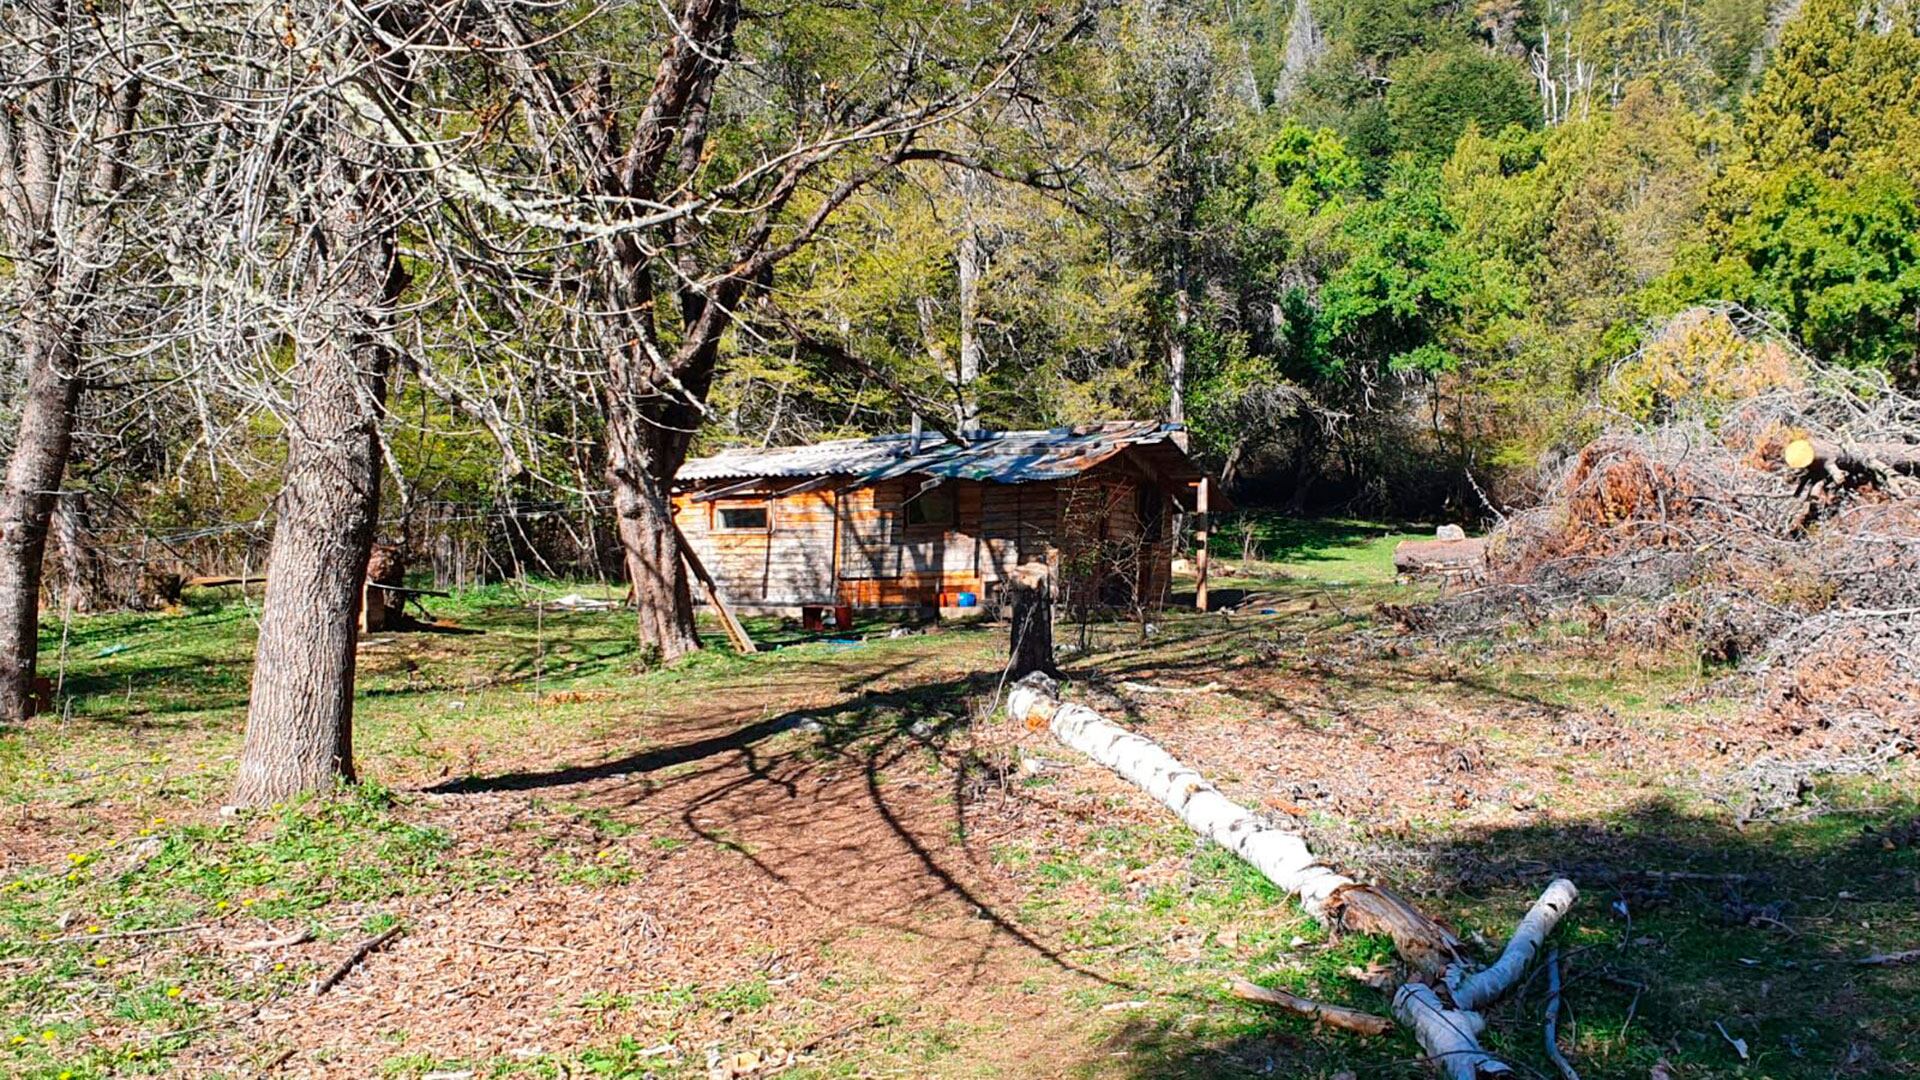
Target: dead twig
1888, 959
1338, 1016
504, 946
1553, 1017
107, 934
366, 949
1148, 688
298, 937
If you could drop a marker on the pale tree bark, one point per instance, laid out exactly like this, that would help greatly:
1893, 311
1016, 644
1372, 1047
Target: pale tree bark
65, 127
1177, 353
1447, 1029
83, 585
299, 734
968, 258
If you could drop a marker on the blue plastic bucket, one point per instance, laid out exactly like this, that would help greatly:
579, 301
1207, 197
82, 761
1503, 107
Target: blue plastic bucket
967, 599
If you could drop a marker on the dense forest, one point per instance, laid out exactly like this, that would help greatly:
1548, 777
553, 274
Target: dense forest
1363, 246
1366, 249
481, 277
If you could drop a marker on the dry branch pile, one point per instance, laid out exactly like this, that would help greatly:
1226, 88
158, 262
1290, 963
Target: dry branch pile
1778, 531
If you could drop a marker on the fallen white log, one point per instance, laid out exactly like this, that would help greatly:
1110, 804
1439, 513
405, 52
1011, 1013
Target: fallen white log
1451, 1037
1473, 990
1282, 856
1448, 1035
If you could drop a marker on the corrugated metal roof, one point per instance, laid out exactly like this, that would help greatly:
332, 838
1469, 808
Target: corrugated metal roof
1001, 457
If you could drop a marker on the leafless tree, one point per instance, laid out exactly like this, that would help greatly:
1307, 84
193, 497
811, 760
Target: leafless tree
642, 233
71, 85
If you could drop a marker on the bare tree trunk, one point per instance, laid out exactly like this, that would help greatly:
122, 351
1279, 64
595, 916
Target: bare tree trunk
58, 194
300, 714
82, 579
967, 408
642, 458
1177, 355
1031, 643
33, 477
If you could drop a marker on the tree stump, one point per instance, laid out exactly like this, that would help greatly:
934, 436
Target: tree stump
380, 605
1030, 588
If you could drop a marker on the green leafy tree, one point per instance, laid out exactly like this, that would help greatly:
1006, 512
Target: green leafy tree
1435, 96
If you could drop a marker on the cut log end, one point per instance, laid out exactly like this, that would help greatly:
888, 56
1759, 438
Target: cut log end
1799, 454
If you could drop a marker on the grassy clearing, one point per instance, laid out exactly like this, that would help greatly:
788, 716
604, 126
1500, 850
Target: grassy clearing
1092, 933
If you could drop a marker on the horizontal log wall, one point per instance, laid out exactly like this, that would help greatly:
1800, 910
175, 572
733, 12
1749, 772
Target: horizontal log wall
788, 563
854, 546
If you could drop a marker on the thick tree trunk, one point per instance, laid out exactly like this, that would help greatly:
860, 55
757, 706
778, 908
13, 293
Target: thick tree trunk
642, 459
83, 584
1447, 1029
300, 714
33, 479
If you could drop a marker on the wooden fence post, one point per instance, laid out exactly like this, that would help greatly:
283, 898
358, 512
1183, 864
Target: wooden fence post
1031, 645
1202, 503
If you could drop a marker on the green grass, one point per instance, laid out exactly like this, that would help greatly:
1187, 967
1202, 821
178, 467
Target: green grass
1145, 922
1326, 550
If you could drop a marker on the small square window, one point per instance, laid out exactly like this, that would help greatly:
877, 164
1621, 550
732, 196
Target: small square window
743, 518
933, 507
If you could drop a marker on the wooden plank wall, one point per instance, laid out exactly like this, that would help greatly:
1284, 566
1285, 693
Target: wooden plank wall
884, 562
789, 563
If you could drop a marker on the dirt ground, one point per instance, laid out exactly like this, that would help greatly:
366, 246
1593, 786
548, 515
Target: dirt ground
839, 860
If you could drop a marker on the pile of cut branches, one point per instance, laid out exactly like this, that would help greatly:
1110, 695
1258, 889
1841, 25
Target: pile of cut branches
1777, 532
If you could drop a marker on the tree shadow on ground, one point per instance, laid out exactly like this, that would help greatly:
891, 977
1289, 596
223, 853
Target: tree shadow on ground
1686, 925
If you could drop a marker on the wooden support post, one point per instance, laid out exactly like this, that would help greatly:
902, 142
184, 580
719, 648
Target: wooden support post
1031, 642
1202, 500
736, 633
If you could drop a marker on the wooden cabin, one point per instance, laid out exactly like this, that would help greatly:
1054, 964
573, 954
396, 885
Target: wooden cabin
914, 521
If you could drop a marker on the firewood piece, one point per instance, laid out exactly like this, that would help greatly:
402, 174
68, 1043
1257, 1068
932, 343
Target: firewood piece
1339, 1016
353, 959
1553, 1018
1030, 640
1878, 459
386, 572
1471, 991
1443, 558
1369, 909
1451, 1037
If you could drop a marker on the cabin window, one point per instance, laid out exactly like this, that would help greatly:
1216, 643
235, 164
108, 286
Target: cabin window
742, 518
932, 507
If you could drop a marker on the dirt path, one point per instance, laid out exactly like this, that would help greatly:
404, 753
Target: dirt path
810, 862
